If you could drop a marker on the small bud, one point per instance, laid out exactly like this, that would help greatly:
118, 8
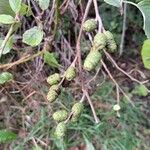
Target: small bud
70, 73
60, 130
52, 95
60, 115
116, 107
89, 25
92, 60
54, 79
99, 41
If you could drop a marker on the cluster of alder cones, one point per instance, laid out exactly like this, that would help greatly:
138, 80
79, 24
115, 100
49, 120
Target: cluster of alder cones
100, 42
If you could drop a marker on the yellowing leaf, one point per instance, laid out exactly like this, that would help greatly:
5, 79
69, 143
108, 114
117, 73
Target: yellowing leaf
146, 54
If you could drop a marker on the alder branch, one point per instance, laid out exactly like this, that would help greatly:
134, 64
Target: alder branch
121, 70
115, 82
98, 17
92, 107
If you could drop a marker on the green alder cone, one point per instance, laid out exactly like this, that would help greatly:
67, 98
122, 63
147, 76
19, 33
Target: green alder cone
111, 44
54, 79
70, 73
89, 25
55, 88
109, 35
60, 130
100, 41
52, 96
77, 108
92, 60
75, 118
60, 115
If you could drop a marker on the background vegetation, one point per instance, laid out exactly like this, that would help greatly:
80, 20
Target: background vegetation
25, 63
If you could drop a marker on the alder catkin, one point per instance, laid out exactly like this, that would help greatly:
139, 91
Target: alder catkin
60, 130
52, 95
92, 60
70, 73
111, 44
54, 79
77, 110
99, 41
89, 25
60, 115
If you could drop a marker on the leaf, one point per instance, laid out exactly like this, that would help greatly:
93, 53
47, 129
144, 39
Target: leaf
6, 19
25, 10
50, 59
141, 90
116, 3
33, 36
8, 46
89, 145
5, 77
146, 54
6, 136
5, 8
44, 4
144, 7
15, 5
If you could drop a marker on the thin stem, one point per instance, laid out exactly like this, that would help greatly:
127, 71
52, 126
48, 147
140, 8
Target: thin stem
115, 82
22, 60
6, 39
79, 39
98, 18
115, 64
92, 107
123, 29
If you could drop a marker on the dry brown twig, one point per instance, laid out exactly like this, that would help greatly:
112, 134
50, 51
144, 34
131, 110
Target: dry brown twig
98, 17
115, 82
80, 62
121, 70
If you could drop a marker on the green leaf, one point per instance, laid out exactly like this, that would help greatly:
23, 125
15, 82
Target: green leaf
5, 8
89, 145
44, 4
25, 10
5, 77
146, 54
6, 19
15, 5
141, 90
33, 36
50, 59
144, 7
8, 46
116, 3
6, 136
